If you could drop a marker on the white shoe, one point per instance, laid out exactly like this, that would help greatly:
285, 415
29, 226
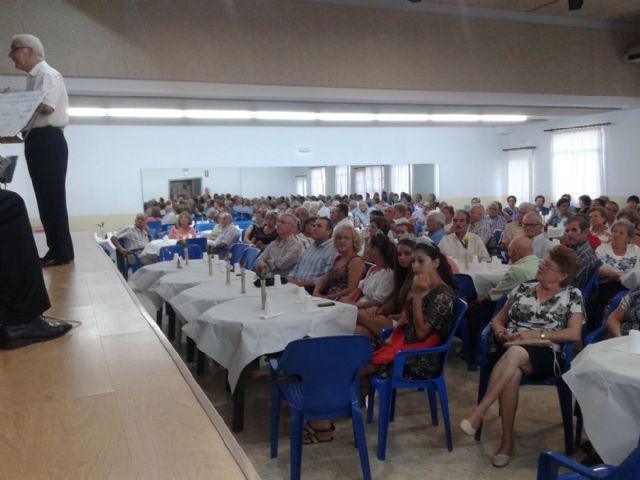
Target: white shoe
466, 427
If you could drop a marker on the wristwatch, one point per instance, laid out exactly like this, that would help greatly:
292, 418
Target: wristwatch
542, 335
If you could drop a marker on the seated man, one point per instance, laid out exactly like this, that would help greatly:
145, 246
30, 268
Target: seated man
317, 259
576, 233
361, 214
435, 226
461, 242
281, 255
23, 295
524, 266
479, 225
132, 239
514, 229
228, 235
534, 231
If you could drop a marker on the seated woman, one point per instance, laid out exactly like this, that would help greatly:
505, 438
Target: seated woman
510, 212
348, 268
375, 319
635, 221
259, 223
182, 230
427, 318
261, 236
627, 316
561, 214
376, 287
550, 309
618, 257
598, 219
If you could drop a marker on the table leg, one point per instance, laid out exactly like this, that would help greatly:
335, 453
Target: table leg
159, 316
191, 350
201, 360
171, 328
238, 403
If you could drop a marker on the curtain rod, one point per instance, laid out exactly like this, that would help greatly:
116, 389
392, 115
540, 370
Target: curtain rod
579, 127
518, 148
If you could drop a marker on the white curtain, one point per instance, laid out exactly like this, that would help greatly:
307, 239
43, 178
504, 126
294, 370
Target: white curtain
342, 180
519, 173
301, 186
400, 180
369, 179
317, 181
577, 161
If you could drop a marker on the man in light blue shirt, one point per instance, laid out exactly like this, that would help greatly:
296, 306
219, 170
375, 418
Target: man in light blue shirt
361, 214
317, 259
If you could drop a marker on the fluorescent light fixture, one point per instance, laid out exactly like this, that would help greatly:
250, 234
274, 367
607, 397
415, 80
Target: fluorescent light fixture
273, 115
402, 117
454, 117
145, 113
219, 114
87, 112
346, 117
503, 118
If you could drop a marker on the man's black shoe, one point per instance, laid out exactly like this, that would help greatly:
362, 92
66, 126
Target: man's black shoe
37, 330
52, 262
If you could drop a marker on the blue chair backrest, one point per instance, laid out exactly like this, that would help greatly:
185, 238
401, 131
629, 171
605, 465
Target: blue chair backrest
587, 290
199, 218
239, 217
466, 288
243, 224
497, 236
419, 227
167, 253
201, 242
249, 257
206, 226
615, 302
329, 367
237, 250
156, 229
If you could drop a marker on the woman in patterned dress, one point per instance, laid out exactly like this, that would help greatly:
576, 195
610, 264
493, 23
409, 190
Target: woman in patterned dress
547, 310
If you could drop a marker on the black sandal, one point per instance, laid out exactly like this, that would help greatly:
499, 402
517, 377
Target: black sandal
311, 435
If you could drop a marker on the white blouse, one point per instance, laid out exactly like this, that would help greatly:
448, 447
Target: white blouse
376, 285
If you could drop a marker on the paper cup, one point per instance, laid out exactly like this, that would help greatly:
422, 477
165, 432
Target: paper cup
277, 281
474, 259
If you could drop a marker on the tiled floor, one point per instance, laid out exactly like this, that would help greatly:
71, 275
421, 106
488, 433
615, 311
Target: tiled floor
416, 449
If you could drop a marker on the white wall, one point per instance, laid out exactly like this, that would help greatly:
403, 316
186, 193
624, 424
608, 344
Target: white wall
105, 160
622, 151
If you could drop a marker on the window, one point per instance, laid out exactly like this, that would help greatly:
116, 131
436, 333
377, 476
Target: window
400, 180
577, 162
301, 186
369, 179
342, 180
519, 173
317, 181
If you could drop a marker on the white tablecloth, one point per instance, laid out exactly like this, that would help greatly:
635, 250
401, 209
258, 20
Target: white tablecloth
193, 302
555, 232
485, 275
233, 334
154, 246
606, 383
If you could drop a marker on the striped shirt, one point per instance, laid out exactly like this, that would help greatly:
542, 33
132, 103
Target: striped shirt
314, 262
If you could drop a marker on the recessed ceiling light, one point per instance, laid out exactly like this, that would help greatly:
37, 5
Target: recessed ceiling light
219, 114
145, 113
402, 117
275, 115
454, 117
87, 112
503, 118
346, 117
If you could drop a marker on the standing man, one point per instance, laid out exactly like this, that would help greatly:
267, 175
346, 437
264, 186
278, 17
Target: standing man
45, 147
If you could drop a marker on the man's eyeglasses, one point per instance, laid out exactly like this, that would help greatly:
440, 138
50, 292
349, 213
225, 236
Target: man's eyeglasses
15, 49
531, 225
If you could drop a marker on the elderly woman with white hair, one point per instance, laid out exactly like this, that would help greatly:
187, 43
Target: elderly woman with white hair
435, 223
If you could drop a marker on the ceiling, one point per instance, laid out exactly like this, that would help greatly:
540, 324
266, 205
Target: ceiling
602, 14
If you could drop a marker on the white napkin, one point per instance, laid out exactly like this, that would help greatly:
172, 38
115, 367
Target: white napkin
632, 344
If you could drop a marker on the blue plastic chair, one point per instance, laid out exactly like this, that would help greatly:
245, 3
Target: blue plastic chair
167, 253
242, 217
386, 387
325, 385
201, 242
550, 462
243, 224
564, 394
237, 249
156, 229
204, 227
248, 258
466, 291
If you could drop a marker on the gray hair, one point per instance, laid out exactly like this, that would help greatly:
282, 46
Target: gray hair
357, 239
438, 217
225, 215
30, 41
535, 215
528, 206
293, 218
626, 224
478, 205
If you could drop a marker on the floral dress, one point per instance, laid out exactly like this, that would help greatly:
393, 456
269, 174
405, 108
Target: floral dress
338, 277
437, 307
631, 306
